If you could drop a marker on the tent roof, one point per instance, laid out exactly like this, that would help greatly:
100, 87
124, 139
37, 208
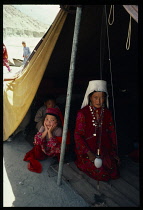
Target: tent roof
93, 53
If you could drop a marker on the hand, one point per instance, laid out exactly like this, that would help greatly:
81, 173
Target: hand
118, 159
91, 156
45, 126
45, 131
52, 127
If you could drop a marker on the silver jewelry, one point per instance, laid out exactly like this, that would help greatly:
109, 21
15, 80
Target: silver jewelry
96, 119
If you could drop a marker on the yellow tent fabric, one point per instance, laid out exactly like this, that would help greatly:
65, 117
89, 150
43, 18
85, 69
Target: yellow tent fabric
19, 93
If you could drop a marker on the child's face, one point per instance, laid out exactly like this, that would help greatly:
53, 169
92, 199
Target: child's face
50, 120
49, 104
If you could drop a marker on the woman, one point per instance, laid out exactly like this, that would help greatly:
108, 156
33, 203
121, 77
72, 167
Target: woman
94, 132
5, 58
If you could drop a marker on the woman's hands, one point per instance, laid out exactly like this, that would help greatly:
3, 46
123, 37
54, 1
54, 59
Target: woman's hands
91, 156
117, 159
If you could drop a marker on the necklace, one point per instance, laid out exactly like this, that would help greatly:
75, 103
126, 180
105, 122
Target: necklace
96, 118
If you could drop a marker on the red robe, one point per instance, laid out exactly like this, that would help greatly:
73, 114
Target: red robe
43, 148
5, 57
107, 143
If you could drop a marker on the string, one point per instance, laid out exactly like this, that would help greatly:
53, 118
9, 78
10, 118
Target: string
111, 9
108, 42
104, 16
102, 46
100, 128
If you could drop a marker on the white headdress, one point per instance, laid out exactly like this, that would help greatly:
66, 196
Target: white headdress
95, 85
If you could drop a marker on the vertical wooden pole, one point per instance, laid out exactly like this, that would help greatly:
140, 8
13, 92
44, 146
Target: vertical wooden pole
69, 90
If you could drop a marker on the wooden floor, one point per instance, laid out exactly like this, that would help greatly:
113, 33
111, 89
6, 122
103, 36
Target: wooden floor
123, 192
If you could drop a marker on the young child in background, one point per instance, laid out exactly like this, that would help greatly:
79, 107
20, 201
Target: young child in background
49, 102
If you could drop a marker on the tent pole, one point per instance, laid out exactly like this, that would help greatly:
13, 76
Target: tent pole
69, 91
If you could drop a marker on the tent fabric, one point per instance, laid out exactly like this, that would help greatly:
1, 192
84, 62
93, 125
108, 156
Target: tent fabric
132, 10
19, 93
50, 54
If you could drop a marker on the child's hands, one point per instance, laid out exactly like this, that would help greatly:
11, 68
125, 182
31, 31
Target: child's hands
45, 126
52, 127
49, 129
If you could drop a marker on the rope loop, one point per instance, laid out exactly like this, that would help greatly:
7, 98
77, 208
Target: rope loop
129, 35
110, 22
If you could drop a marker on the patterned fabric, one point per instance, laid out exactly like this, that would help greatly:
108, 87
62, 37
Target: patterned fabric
5, 58
105, 139
50, 147
43, 148
5, 54
6, 63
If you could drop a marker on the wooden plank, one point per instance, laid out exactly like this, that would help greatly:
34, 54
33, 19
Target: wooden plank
114, 193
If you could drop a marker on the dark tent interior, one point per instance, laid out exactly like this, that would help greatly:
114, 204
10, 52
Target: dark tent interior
96, 45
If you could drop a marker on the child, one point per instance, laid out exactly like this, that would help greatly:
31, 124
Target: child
47, 142
50, 134
49, 102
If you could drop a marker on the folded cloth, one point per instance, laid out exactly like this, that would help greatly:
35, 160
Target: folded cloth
34, 165
36, 153
33, 156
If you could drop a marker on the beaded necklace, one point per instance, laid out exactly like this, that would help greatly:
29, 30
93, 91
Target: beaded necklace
97, 120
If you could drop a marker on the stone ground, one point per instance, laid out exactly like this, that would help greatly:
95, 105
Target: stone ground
23, 188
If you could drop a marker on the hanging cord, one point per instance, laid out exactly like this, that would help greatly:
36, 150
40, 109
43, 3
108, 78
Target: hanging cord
109, 18
129, 35
102, 46
100, 128
102, 42
104, 14
111, 75
100, 134
110, 72
102, 50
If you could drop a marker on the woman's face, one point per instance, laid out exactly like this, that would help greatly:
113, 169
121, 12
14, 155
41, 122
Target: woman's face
97, 99
50, 120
